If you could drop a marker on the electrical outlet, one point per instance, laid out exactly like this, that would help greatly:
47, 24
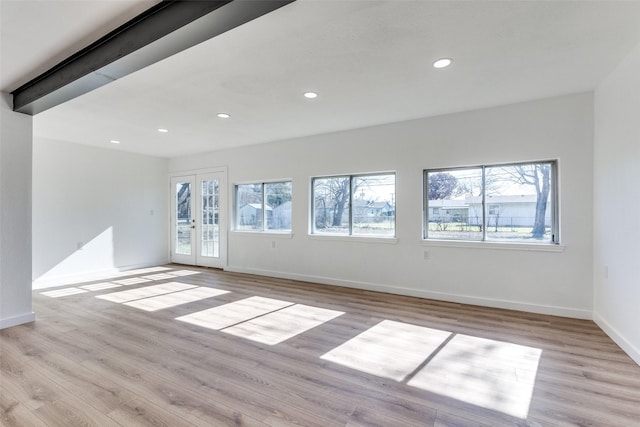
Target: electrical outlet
273, 244
426, 255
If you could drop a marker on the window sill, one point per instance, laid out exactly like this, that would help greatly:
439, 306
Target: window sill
269, 234
362, 239
505, 246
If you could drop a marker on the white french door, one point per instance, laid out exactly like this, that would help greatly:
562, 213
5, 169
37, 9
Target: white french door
198, 220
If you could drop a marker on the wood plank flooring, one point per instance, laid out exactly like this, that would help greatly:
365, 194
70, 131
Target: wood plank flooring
262, 352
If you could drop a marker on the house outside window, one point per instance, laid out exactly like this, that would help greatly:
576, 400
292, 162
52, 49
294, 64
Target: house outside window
263, 207
509, 203
354, 205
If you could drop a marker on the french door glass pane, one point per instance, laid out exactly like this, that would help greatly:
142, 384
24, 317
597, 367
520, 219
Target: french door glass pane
210, 230
183, 218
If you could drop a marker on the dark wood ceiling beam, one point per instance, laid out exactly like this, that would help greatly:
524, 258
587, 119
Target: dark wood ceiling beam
165, 29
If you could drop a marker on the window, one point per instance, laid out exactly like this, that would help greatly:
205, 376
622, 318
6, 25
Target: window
263, 206
356, 205
508, 203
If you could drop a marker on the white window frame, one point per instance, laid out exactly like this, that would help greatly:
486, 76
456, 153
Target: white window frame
264, 230
555, 211
350, 236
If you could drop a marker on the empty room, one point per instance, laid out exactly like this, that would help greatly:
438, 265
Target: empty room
319, 213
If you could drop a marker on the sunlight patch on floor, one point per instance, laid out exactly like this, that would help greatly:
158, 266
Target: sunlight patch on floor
276, 327
233, 313
131, 281
491, 374
143, 271
175, 298
184, 272
81, 278
146, 292
160, 276
389, 349
63, 292
100, 286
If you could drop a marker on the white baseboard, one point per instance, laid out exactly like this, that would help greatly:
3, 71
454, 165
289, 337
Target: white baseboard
17, 320
617, 337
441, 296
88, 276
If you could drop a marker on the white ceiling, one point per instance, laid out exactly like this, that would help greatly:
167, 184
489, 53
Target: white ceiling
370, 62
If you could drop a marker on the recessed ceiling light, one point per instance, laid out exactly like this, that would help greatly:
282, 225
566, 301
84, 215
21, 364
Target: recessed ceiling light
224, 115
310, 95
162, 130
113, 141
442, 63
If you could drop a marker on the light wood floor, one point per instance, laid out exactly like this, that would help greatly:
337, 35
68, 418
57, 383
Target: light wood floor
268, 352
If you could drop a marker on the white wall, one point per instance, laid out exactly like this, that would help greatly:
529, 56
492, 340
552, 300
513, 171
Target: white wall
549, 282
617, 205
100, 200
15, 216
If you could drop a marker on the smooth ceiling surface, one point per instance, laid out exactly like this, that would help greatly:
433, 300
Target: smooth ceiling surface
370, 62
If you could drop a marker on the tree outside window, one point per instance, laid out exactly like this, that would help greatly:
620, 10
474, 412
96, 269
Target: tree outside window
361, 205
513, 202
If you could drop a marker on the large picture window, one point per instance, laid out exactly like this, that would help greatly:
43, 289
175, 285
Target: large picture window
357, 205
508, 203
263, 207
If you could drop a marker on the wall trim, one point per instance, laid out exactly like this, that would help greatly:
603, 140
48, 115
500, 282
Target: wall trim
17, 320
440, 296
617, 337
88, 276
